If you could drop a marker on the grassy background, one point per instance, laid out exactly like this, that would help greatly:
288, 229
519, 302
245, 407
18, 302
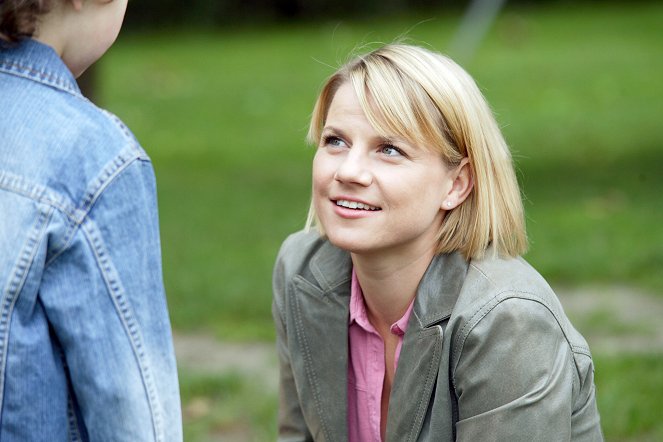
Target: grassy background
223, 114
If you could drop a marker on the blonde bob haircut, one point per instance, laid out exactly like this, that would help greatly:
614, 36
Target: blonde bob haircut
426, 98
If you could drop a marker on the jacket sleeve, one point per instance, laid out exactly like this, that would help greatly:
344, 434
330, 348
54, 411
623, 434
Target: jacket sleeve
515, 377
291, 424
104, 298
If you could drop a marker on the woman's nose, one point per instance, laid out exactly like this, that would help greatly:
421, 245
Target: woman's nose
354, 168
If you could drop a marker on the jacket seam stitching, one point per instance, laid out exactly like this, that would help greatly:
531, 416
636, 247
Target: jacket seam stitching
15, 284
44, 195
125, 312
423, 402
72, 420
309, 371
49, 79
109, 175
38, 193
488, 307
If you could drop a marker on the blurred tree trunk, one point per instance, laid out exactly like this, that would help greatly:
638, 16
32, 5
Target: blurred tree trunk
89, 84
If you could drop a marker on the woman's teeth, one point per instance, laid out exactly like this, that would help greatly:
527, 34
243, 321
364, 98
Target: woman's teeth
355, 205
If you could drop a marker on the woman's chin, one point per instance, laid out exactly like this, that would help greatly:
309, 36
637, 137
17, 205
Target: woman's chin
351, 244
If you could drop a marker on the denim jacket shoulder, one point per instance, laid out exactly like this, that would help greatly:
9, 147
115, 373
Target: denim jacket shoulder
84, 326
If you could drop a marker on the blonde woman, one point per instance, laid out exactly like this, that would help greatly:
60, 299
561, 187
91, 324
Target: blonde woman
407, 313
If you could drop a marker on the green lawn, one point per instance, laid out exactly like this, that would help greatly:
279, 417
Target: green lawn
224, 115
577, 90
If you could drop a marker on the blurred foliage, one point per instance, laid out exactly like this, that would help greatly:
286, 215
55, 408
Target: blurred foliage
208, 13
211, 13
223, 113
224, 116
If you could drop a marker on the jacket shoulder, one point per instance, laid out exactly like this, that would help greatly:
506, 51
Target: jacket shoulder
494, 276
512, 290
72, 150
297, 249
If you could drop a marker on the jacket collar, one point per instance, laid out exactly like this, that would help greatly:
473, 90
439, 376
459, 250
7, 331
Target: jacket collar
331, 267
421, 353
39, 62
436, 295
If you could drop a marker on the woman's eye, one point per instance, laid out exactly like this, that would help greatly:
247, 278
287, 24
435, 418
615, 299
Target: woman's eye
391, 151
332, 141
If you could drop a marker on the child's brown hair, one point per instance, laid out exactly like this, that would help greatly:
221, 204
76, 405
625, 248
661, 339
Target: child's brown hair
18, 18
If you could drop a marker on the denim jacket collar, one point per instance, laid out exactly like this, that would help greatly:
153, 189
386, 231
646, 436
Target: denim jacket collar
39, 62
329, 290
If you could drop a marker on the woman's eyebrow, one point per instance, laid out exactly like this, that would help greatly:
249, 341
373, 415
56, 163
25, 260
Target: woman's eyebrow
329, 129
393, 140
332, 130
378, 139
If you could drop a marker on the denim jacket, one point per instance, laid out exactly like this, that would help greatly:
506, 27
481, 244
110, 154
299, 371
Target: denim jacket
86, 349
488, 355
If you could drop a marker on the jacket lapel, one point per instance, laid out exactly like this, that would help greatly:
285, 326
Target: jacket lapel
321, 312
422, 349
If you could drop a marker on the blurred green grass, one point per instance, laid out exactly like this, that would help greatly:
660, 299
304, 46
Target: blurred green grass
226, 407
629, 392
577, 90
224, 114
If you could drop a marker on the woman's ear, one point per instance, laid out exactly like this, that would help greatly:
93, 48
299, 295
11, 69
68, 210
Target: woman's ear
77, 4
462, 185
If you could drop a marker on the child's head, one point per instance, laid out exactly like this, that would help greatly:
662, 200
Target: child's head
80, 31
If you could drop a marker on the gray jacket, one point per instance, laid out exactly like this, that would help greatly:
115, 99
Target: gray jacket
489, 354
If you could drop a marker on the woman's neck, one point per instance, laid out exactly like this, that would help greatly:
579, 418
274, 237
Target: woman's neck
389, 283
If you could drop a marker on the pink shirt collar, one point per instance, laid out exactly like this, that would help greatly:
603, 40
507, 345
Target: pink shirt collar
366, 367
359, 314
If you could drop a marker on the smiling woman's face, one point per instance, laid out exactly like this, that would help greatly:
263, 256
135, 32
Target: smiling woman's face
373, 194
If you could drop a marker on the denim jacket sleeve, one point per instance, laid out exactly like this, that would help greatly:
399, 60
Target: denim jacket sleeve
86, 349
104, 298
83, 309
515, 371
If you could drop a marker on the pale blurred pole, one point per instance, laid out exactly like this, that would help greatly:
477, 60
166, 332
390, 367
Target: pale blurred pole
478, 18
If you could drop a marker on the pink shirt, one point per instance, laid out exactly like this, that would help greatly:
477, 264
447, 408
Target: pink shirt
366, 368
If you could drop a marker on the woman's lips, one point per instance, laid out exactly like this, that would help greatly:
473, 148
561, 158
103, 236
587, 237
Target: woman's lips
353, 209
351, 204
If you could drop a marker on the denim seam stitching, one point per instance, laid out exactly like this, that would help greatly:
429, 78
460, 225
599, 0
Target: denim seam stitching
109, 172
103, 180
28, 72
124, 310
125, 130
42, 194
14, 286
39, 193
74, 433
